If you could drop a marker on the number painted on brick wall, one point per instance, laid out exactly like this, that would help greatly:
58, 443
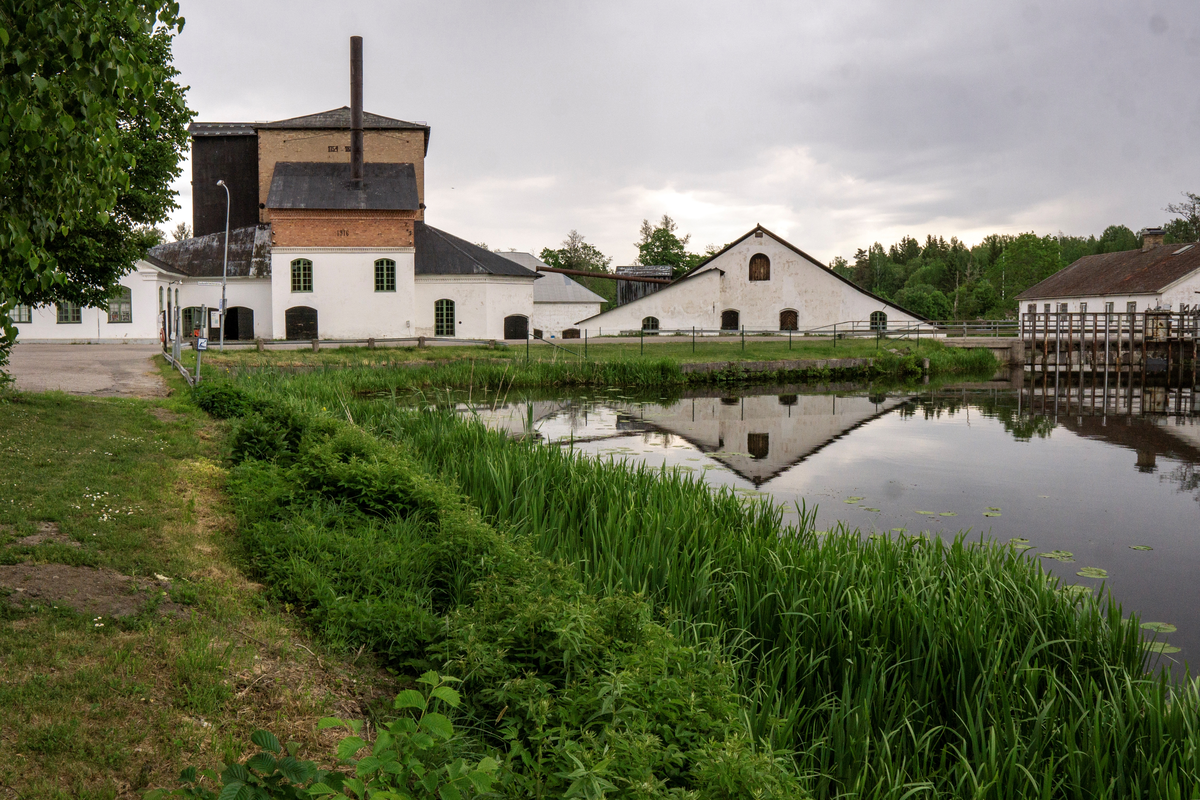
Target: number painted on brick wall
333, 148
343, 232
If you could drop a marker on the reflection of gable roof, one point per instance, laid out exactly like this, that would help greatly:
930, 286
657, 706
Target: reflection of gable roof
1125, 272
326, 185
441, 253
203, 256
696, 270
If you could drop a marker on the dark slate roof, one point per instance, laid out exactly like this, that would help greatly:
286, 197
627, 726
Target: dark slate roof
202, 256
441, 253
305, 184
333, 119
1127, 272
340, 118
221, 129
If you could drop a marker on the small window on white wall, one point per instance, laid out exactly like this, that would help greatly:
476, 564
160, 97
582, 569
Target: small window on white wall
21, 314
120, 307
385, 275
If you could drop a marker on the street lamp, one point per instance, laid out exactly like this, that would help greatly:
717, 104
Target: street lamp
225, 265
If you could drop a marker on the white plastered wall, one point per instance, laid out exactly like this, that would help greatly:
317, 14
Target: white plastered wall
1183, 292
481, 302
94, 325
553, 318
252, 293
818, 297
343, 293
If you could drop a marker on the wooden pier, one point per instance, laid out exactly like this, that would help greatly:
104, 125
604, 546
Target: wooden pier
1122, 363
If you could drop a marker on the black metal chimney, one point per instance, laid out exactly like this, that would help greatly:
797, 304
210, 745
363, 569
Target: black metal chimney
356, 113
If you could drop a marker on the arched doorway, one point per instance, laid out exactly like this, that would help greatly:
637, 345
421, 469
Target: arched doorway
300, 322
516, 327
571, 333
878, 321
789, 320
729, 320
239, 323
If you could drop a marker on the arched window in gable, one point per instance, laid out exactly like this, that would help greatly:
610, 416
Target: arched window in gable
760, 267
650, 323
878, 321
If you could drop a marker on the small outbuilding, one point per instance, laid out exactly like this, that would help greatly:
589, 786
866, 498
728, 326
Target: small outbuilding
558, 302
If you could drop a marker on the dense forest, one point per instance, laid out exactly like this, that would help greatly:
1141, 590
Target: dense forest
953, 280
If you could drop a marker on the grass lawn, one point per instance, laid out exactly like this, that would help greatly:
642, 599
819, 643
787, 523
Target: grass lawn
130, 642
724, 348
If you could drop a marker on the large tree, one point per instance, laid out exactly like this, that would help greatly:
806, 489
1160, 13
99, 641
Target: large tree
1186, 226
659, 245
84, 85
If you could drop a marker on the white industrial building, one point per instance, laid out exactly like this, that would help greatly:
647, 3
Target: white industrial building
1158, 276
761, 283
558, 302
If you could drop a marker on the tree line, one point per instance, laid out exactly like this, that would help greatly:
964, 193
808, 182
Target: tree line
954, 280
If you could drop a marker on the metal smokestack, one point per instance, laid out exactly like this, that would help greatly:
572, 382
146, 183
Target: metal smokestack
356, 112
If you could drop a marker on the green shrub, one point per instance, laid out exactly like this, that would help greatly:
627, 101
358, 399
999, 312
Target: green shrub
220, 399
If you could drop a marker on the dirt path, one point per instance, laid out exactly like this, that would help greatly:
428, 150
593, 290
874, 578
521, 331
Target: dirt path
100, 370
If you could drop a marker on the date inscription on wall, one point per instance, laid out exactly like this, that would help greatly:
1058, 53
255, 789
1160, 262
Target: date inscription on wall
343, 232
334, 148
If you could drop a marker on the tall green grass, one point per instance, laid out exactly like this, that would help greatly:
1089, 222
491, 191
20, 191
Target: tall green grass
892, 668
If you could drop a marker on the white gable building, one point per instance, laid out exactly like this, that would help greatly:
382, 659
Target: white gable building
761, 283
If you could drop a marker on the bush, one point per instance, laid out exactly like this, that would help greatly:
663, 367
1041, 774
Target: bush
221, 400
589, 695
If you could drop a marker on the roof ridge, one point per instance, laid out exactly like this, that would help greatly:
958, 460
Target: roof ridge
449, 237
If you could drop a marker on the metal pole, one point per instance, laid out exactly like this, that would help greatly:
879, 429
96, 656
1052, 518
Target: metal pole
693, 339
642, 340
527, 337
743, 337
789, 339
224, 265
203, 316
835, 334
585, 355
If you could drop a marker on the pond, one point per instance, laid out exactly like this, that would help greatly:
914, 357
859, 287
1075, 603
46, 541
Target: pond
1115, 496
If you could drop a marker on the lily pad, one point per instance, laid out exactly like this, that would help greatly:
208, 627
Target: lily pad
1018, 539
991, 513
992, 508
1092, 572
1140, 547
853, 499
1075, 589
928, 513
1022, 547
869, 509
899, 530
850, 502
1044, 495
1064, 556
947, 513
1159, 627
1160, 647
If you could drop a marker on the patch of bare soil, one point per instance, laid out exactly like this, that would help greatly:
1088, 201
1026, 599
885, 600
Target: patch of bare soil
48, 533
163, 415
88, 590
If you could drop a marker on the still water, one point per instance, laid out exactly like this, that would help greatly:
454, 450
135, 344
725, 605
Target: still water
1117, 492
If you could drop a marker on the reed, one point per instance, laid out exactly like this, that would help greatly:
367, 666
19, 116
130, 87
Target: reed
890, 667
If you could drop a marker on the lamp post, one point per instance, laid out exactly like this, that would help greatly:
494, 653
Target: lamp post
224, 265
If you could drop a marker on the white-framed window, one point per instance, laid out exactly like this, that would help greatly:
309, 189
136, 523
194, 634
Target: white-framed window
21, 313
120, 307
443, 318
70, 314
385, 275
302, 277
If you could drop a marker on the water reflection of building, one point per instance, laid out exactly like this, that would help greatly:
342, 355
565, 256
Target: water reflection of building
760, 436
1172, 437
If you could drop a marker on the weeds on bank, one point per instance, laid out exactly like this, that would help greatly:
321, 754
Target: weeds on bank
118, 494
887, 666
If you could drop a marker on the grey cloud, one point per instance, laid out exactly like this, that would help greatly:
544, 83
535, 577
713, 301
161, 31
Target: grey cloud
844, 122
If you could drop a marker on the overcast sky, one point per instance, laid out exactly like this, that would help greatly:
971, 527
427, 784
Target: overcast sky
832, 124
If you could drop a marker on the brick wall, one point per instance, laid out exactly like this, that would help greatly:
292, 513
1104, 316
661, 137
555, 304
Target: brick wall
386, 146
353, 228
